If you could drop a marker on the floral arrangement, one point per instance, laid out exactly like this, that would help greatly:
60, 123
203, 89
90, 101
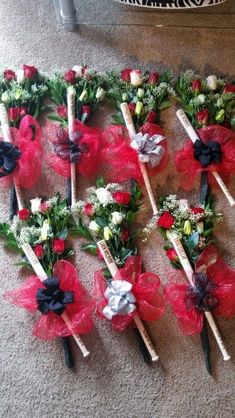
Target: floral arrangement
206, 101
108, 213
23, 93
89, 88
147, 93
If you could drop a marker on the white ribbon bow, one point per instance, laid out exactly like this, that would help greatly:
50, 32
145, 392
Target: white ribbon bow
148, 149
121, 300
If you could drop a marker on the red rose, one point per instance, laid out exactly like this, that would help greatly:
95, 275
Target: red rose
172, 254
30, 71
122, 198
166, 220
69, 76
131, 108
125, 235
58, 245
125, 75
62, 111
13, 113
196, 85
151, 117
24, 214
9, 75
89, 209
203, 116
154, 78
38, 251
86, 110
197, 210
229, 88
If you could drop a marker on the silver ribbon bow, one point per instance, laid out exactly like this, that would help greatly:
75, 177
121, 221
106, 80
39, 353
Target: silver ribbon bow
121, 300
148, 149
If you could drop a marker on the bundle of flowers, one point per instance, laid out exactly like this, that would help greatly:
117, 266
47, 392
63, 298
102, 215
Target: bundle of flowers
23, 93
206, 101
89, 89
108, 213
147, 93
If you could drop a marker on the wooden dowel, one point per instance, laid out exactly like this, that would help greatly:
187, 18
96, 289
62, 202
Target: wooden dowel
71, 116
193, 136
113, 271
40, 272
132, 132
175, 241
7, 137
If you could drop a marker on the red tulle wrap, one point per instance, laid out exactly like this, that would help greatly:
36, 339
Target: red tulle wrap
121, 161
28, 139
91, 160
50, 326
189, 168
150, 304
218, 272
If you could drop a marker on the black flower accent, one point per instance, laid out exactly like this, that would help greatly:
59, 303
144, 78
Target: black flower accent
9, 155
201, 295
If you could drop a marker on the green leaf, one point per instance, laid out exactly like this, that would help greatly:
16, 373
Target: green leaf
100, 182
91, 247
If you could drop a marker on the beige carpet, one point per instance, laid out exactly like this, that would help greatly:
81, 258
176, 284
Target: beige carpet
113, 382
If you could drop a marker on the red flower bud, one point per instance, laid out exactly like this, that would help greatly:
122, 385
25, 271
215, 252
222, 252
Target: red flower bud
125, 75
172, 254
197, 210
9, 75
203, 116
62, 111
196, 85
44, 207
13, 113
22, 111
38, 251
125, 235
166, 220
69, 76
89, 209
86, 110
131, 108
122, 198
30, 71
229, 88
24, 214
58, 245
154, 78
151, 117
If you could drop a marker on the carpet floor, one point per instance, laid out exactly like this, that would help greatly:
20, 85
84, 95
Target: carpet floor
114, 381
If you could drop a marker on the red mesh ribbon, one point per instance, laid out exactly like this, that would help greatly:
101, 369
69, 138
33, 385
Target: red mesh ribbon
150, 303
223, 279
51, 325
121, 160
28, 139
90, 139
189, 168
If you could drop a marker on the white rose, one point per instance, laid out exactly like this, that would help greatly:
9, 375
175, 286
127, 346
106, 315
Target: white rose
184, 205
83, 95
94, 227
78, 70
107, 233
104, 196
201, 98
44, 230
117, 218
5, 98
20, 76
211, 82
35, 205
140, 93
135, 77
100, 94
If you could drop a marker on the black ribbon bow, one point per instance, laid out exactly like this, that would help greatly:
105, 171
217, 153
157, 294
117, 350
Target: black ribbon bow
9, 155
68, 147
52, 298
208, 153
201, 296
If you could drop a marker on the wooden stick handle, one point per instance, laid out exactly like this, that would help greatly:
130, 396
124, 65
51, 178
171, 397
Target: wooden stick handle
7, 137
39, 270
132, 132
175, 241
113, 270
193, 136
71, 116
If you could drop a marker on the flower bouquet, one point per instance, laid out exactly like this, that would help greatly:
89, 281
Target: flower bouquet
89, 90
23, 93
